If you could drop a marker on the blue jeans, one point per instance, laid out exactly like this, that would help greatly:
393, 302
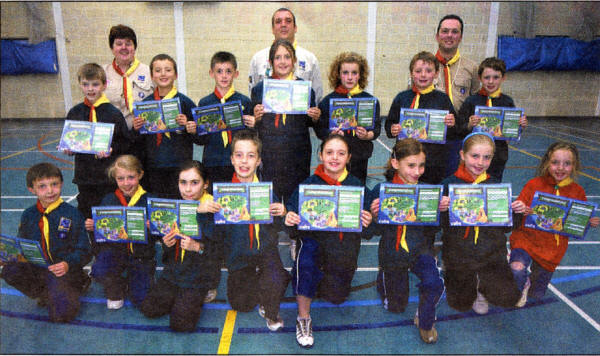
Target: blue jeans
540, 278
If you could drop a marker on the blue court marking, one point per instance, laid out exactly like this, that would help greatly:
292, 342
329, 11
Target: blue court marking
103, 325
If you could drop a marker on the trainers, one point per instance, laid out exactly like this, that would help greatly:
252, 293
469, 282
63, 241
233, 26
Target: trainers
428, 336
293, 249
480, 306
523, 300
210, 296
86, 284
273, 325
114, 304
304, 335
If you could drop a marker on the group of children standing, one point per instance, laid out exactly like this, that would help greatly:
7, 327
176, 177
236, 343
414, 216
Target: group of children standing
476, 269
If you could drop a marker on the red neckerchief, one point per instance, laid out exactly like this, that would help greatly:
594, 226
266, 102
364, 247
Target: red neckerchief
235, 179
120, 72
159, 134
41, 209
320, 172
277, 116
485, 93
90, 105
443, 61
463, 174
397, 180
416, 91
219, 96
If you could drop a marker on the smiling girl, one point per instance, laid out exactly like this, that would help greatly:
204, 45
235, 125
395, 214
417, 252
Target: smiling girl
114, 259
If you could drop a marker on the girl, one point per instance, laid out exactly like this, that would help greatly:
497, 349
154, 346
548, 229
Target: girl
540, 250
114, 259
325, 260
348, 77
191, 266
424, 68
475, 258
402, 247
163, 153
286, 142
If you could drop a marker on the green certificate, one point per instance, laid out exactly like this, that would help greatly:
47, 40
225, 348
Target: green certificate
260, 200
170, 109
136, 224
188, 225
577, 219
366, 112
498, 205
437, 128
349, 208
510, 125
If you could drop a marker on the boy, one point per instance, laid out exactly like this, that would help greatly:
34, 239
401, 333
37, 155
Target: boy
59, 228
90, 170
256, 273
492, 73
217, 147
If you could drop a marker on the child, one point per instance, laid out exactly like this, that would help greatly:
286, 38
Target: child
424, 68
89, 175
475, 258
492, 73
190, 265
60, 230
403, 247
256, 273
285, 138
163, 153
325, 260
348, 76
217, 147
115, 259
540, 250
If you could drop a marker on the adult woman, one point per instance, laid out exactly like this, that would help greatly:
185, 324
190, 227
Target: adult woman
128, 80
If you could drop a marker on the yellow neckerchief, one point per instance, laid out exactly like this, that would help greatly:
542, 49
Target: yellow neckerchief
562, 183
354, 91
170, 95
101, 100
134, 199
127, 84
204, 198
46, 236
289, 77
482, 177
493, 95
427, 90
295, 44
448, 76
227, 95
256, 226
403, 242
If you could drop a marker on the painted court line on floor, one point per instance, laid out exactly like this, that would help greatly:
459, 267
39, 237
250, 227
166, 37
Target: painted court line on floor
573, 306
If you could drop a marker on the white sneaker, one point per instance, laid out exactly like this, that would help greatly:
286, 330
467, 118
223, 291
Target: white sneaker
523, 300
114, 304
480, 306
304, 335
293, 249
273, 325
210, 296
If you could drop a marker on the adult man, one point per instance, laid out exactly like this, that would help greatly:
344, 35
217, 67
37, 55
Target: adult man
283, 24
458, 75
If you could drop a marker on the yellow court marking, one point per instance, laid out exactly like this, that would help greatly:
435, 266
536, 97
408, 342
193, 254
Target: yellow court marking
538, 157
227, 334
33, 148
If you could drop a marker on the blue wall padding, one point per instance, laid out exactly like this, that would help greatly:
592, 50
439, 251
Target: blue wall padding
549, 53
20, 57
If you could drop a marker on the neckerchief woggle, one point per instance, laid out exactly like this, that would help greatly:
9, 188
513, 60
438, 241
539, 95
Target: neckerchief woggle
170, 95
127, 85
447, 75
101, 100
463, 174
253, 229
320, 172
225, 135
134, 199
44, 226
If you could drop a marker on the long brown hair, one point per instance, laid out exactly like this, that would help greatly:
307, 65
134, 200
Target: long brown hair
402, 148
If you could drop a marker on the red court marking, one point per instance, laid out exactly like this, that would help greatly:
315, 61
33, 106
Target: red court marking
39, 145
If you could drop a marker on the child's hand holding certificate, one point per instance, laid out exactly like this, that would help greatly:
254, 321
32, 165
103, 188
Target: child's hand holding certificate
159, 115
167, 215
119, 224
330, 208
219, 117
401, 204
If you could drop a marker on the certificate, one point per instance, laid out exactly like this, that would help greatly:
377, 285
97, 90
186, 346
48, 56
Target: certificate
425, 125
480, 205
350, 113
561, 215
243, 203
86, 137
500, 122
160, 115
330, 208
179, 215
402, 204
119, 224
286, 96
218, 117
10, 250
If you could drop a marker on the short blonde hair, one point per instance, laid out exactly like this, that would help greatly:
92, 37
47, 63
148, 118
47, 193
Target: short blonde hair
128, 162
